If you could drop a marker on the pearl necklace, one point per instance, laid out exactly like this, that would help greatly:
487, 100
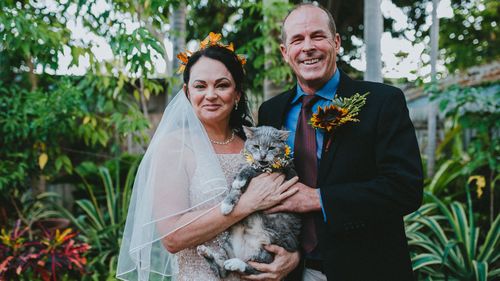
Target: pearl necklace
230, 139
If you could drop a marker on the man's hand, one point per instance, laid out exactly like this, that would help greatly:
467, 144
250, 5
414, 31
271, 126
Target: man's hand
284, 262
305, 200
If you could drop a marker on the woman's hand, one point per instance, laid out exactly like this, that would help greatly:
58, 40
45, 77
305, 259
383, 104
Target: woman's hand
266, 191
284, 262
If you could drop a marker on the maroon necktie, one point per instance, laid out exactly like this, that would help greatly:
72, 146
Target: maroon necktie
306, 164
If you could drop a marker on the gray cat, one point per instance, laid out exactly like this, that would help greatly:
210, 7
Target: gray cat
266, 151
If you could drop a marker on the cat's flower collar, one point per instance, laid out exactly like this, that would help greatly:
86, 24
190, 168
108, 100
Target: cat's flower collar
278, 163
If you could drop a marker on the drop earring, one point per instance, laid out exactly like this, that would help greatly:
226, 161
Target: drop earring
236, 105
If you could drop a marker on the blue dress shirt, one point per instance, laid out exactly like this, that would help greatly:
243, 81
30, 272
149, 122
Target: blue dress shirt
326, 94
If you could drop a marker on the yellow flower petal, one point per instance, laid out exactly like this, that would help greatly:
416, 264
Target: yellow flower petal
181, 69
288, 150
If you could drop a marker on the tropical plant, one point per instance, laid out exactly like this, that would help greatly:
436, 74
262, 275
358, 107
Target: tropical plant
103, 214
32, 209
472, 111
15, 255
61, 253
447, 244
48, 256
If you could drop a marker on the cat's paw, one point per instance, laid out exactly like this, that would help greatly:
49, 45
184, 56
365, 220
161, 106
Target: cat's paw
238, 183
235, 265
226, 208
203, 251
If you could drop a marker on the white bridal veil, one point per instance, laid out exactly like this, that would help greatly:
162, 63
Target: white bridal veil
162, 192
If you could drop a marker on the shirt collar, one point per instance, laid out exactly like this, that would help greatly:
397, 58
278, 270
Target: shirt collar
326, 92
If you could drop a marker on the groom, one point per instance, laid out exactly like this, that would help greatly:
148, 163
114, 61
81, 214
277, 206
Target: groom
356, 183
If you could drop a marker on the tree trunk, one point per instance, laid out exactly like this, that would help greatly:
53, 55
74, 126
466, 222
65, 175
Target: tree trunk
144, 101
373, 26
38, 182
32, 76
178, 38
432, 114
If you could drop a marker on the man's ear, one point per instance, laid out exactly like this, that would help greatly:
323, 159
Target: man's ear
283, 52
337, 41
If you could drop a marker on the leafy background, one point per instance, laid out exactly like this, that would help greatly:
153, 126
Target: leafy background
70, 144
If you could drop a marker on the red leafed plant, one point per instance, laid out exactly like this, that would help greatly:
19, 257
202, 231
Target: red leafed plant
62, 253
17, 254
44, 257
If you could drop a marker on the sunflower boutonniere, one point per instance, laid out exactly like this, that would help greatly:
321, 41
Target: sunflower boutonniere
341, 111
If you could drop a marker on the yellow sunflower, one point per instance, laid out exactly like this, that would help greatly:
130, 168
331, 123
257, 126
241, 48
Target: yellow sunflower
329, 117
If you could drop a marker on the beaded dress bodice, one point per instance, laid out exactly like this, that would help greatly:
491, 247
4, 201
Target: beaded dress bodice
192, 267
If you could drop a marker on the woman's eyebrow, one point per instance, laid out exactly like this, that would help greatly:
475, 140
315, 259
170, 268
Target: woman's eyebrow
222, 79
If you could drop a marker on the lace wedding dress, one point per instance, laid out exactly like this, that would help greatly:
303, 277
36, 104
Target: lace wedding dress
192, 267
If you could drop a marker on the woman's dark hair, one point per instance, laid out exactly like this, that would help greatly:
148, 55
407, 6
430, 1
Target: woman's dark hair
240, 116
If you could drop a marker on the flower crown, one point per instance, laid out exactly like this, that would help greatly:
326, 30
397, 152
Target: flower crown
213, 39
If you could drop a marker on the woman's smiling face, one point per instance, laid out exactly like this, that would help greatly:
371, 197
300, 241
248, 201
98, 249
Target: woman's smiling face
212, 91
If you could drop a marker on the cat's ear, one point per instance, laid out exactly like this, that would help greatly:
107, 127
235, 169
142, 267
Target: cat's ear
248, 131
283, 135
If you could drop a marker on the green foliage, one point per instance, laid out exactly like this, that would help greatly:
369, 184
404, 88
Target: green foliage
32, 32
51, 123
103, 213
446, 243
57, 122
471, 36
33, 123
254, 30
135, 49
474, 110
263, 49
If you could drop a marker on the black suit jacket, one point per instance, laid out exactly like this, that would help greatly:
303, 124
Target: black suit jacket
370, 177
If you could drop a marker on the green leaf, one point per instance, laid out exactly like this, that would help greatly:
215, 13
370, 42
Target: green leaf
92, 213
494, 273
480, 270
447, 172
490, 245
110, 193
423, 260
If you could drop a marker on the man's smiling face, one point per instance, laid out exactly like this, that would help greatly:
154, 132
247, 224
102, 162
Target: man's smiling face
310, 48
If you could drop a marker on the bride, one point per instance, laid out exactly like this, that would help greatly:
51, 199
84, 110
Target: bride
191, 160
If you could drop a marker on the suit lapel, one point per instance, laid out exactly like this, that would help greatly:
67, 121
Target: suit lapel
280, 108
344, 90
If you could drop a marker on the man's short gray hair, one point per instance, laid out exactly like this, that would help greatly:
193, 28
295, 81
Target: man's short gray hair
331, 21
